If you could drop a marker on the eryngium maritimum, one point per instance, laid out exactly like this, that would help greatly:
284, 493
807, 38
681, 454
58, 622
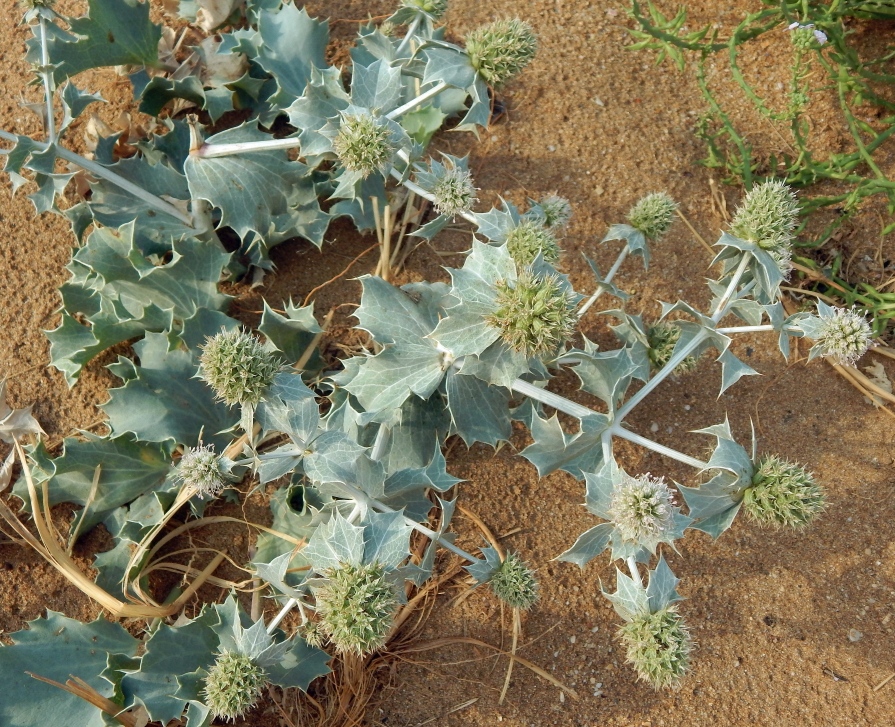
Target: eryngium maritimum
435, 8
453, 192
844, 336
535, 315
658, 646
557, 211
356, 607
642, 509
233, 685
236, 366
783, 494
767, 216
514, 583
653, 215
529, 238
363, 144
499, 50
200, 469
662, 338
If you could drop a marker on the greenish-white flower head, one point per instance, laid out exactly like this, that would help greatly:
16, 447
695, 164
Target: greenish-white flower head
557, 211
364, 143
237, 368
662, 338
203, 471
387, 28
658, 646
642, 509
433, 8
453, 191
356, 607
535, 314
233, 685
767, 216
844, 335
311, 633
653, 215
514, 583
500, 50
783, 494
529, 238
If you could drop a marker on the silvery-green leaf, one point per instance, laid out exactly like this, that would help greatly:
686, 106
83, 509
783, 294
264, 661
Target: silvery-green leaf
447, 512
610, 288
386, 380
332, 457
713, 505
56, 648
479, 411
335, 543
275, 574
732, 369
483, 570
49, 186
630, 598
413, 441
576, 453
479, 113
662, 588
386, 538
298, 666
390, 315
15, 423
605, 374
500, 365
291, 333
74, 101
450, 66
600, 485
634, 238
290, 407
293, 521
588, 545
323, 99
421, 125
376, 86
496, 224
432, 228
728, 455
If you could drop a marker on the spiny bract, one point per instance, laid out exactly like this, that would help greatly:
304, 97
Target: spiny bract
642, 509
435, 8
844, 336
499, 50
363, 143
653, 215
767, 216
534, 315
529, 238
233, 685
782, 493
514, 583
557, 211
662, 338
356, 607
200, 469
658, 646
236, 366
454, 192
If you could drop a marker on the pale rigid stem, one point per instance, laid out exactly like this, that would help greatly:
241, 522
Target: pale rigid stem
416, 189
745, 329
608, 279
721, 309
660, 448
98, 170
421, 99
47, 74
635, 572
209, 151
405, 41
383, 437
560, 403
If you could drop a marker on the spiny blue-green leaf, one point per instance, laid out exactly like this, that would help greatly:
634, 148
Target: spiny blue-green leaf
629, 599
610, 288
413, 441
290, 407
58, 648
421, 125
497, 223
500, 365
599, 487
391, 315
376, 86
662, 588
732, 370
299, 666
332, 457
335, 543
713, 505
74, 101
588, 545
292, 332
49, 186
167, 402
126, 470
160, 90
386, 380
634, 238
386, 538
483, 570
450, 66
323, 99
605, 374
479, 411
292, 521
479, 113
113, 33
728, 455
576, 453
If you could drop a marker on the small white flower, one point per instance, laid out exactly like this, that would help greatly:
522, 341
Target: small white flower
821, 36
844, 335
643, 509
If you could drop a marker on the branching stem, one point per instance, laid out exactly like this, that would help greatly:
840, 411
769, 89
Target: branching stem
609, 276
659, 448
414, 102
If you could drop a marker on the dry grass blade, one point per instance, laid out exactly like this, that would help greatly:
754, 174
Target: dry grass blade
80, 688
333, 279
884, 682
456, 708
517, 629
486, 531
695, 233
312, 346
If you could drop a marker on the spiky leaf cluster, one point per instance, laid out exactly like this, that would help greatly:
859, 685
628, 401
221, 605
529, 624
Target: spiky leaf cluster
658, 646
434, 8
454, 191
514, 583
203, 471
233, 685
237, 368
356, 607
529, 238
642, 509
363, 143
500, 50
767, 216
783, 494
557, 211
844, 335
653, 215
535, 315
662, 338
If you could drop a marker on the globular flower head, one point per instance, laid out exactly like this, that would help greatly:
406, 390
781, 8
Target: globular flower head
233, 685
844, 335
658, 646
529, 238
364, 143
453, 191
662, 338
535, 315
557, 211
356, 607
783, 493
236, 366
514, 583
653, 215
499, 50
434, 8
767, 216
642, 509
202, 470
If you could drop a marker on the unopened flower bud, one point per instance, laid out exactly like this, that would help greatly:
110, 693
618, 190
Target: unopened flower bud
499, 50
529, 238
783, 493
662, 338
514, 583
433, 8
454, 192
364, 143
557, 211
233, 685
653, 215
236, 366
658, 646
767, 216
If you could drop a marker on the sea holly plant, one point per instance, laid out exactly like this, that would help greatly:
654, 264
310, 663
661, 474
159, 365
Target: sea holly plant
349, 453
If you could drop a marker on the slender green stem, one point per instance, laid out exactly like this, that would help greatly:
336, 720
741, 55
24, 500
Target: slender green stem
659, 448
609, 276
47, 74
